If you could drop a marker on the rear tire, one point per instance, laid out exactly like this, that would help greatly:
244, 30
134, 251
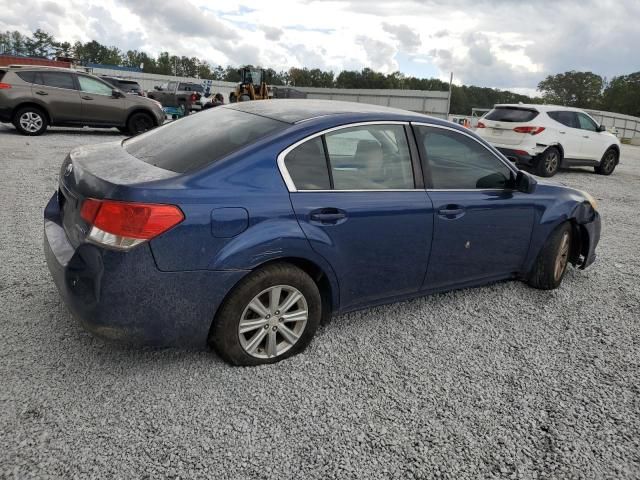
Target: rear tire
139, 123
261, 333
608, 162
30, 121
548, 162
552, 261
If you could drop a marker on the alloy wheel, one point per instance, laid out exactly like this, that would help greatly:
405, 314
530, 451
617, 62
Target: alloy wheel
562, 257
273, 321
551, 162
31, 122
609, 162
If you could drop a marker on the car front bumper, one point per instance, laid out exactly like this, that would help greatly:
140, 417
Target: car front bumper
592, 229
122, 296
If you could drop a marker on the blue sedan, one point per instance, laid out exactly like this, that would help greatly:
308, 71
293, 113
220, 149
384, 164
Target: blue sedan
243, 226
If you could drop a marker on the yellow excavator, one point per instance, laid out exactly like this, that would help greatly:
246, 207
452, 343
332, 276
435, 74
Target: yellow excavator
252, 86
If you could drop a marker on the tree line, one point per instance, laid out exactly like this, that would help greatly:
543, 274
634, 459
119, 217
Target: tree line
580, 89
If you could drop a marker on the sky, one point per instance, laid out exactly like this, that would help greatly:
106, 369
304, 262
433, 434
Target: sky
506, 44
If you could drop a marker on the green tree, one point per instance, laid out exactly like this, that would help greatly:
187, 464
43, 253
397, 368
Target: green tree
622, 95
573, 89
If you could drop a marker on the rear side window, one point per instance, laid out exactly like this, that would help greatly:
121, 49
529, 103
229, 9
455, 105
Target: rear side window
568, 119
307, 166
55, 79
29, 77
197, 141
511, 114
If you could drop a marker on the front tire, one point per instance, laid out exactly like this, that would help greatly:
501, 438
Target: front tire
270, 315
552, 261
139, 123
30, 121
608, 162
549, 162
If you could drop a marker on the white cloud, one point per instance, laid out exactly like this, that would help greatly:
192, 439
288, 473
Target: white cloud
497, 43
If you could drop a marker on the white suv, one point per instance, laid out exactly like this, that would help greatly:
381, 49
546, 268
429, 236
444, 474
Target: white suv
547, 137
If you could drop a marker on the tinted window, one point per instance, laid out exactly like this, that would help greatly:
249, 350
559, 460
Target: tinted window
371, 157
511, 114
128, 86
458, 162
55, 79
2, 72
91, 85
586, 123
199, 140
190, 87
29, 77
564, 117
307, 166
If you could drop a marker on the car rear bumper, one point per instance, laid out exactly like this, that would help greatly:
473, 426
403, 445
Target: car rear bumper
122, 296
5, 114
521, 157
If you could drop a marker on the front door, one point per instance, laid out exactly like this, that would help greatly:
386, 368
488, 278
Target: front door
356, 200
482, 227
99, 105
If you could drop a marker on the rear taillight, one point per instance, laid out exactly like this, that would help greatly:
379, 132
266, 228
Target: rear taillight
530, 130
4, 86
481, 125
123, 225
193, 97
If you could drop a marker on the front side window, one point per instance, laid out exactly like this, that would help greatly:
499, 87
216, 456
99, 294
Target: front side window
568, 119
55, 79
371, 157
307, 166
458, 162
586, 123
91, 85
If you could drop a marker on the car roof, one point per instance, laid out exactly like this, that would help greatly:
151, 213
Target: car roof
300, 110
539, 107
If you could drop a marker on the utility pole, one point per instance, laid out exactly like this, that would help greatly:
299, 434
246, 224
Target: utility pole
449, 99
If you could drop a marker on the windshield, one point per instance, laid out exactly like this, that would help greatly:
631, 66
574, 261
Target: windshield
253, 75
196, 141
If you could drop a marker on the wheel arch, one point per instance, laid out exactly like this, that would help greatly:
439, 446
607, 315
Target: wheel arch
141, 110
33, 105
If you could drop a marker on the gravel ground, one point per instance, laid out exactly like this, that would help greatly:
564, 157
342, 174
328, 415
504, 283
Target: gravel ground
496, 382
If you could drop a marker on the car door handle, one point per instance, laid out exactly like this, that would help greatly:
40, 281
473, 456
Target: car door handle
562, 133
40, 92
586, 136
327, 215
87, 98
451, 212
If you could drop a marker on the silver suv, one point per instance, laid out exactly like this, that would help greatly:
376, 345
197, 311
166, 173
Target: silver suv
32, 98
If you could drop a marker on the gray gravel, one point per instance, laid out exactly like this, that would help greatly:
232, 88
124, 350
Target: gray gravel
495, 382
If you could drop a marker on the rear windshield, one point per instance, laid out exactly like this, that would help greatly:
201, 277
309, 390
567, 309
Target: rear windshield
196, 141
190, 87
129, 85
511, 114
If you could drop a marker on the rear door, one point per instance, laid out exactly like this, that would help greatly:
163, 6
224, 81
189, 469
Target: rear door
482, 227
99, 106
356, 199
569, 134
500, 122
58, 92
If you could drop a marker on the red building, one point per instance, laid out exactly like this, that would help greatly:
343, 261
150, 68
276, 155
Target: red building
17, 60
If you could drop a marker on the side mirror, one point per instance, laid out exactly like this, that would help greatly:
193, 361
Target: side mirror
116, 93
601, 128
157, 87
525, 183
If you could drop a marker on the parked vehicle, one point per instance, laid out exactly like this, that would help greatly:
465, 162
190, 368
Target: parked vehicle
547, 137
244, 225
32, 98
178, 94
127, 86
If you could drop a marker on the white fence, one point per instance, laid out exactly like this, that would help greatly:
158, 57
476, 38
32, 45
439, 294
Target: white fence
627, 127
431, 103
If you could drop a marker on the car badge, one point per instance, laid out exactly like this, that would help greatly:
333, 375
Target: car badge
68, 170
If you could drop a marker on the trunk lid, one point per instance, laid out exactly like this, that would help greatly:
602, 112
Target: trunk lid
98, 171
